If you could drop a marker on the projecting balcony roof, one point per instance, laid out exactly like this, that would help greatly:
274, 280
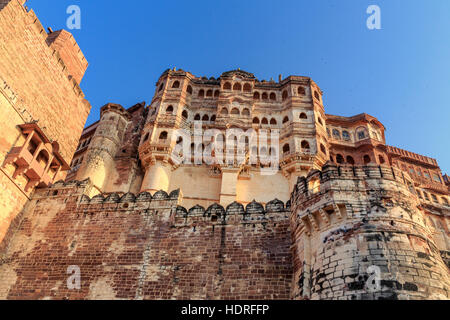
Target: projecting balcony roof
32, 126
363, 117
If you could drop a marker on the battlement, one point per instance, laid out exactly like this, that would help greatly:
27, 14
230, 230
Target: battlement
117, 108
229, 75
215, 214
322, 181
404, 154
254, 212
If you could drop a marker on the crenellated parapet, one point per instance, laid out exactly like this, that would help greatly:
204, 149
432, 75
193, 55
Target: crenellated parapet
140, 242
76, 193
235, 213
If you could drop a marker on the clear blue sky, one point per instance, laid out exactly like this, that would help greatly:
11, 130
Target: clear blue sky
400, 74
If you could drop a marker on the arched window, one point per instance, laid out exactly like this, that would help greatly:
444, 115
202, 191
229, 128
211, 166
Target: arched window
256, 96
336, 134
201, 93
316, 95
185, 114
224, 111
366, 159
43, 158
265, 96
323, 149
235, 112
273, 97
305, 145
247, 87
361, 134
227, 86
301, 90
189, 89
381, 158
345, 135
263, 151
205, 118
340, 159
303, 116
272, 150
320, 121
350, 160
176, 84
216, 93
147, 135
220, 137
284, 95
264, 121
197, 117
169, 110
237, 87
161, 87
436, 178
246, 112
286, 148
314, 185
273, 121
209, 93
286, 120
445, 201
255, 120
163, 135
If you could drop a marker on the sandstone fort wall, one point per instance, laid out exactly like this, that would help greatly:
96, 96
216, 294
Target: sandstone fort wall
146, 247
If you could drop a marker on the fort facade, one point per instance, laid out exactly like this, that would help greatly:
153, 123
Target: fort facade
220, 188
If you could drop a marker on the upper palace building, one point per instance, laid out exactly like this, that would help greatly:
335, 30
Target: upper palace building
131, 150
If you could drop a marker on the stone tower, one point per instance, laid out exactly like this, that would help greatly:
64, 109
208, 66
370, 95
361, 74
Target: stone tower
105, 143
360, 232
43, 108
287, 118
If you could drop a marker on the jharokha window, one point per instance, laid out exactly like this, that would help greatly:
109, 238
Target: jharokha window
345, 135
38, 159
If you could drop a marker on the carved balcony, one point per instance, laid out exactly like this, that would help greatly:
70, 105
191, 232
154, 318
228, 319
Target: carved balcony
38, 159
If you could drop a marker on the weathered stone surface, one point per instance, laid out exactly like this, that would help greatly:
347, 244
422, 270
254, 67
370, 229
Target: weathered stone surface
146, 251
362, 253
140, 224
40, 74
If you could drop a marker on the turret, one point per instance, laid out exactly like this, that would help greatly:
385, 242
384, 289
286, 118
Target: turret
359, 233
108, 136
